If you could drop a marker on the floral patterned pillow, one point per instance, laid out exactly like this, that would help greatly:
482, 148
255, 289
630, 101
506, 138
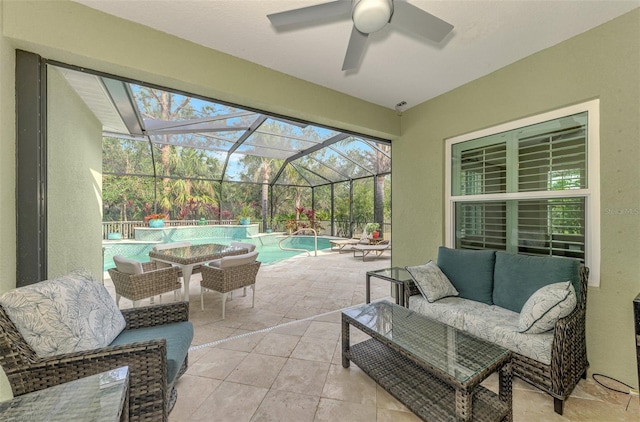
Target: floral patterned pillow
431, 281
68, 314
546, 306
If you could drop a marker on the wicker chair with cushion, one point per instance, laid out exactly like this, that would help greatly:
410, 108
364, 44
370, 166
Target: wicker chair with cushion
228, 274
61, 330
137, 280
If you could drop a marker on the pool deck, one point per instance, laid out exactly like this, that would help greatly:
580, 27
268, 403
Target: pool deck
288, 290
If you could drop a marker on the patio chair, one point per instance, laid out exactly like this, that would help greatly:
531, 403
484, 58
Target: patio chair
228, 274
137, 280
377, 250
46, 339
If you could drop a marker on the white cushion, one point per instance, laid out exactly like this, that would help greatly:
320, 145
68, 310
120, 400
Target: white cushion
489, 322
249, 246
431, 281
128, 266
234, 260
546, 306
69, 314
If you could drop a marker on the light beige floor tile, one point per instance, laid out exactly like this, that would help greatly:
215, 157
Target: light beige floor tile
280, 406
334, 317
277, 344
300, 312
302, 376
296, 329
388, 415
230, 402
242, 341
349, 384
257, 370
192, 392
216, 363
317, 349
335, 410
207, 334
323, 330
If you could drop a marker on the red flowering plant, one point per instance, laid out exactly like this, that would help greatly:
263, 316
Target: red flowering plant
297, 224
155, 217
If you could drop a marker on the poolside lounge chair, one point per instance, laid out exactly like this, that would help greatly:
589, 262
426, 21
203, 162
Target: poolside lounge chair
347, 245
365, 250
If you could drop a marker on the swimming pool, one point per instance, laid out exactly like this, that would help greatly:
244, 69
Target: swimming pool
266, 245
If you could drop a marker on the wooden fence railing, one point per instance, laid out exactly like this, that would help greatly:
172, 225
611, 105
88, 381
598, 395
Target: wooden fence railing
125, 228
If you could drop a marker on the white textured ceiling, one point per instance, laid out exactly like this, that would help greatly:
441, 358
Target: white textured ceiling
397, 66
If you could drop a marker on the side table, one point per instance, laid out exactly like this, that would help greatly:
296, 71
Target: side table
395, 275
102, 397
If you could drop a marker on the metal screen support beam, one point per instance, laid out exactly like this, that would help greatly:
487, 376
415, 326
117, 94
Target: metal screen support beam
351, 208
31, 168
333, 208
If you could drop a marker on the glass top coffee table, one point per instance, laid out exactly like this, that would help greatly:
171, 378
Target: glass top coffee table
432, 368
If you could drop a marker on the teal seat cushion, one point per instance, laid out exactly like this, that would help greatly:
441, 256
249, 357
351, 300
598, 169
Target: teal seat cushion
517, 277
178, 335
470, 272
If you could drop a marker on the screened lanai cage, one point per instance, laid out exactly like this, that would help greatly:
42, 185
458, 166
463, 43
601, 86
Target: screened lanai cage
196, 160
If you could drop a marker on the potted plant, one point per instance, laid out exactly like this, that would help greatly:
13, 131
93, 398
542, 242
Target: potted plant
244, 217
114, 234
155, 221
372, 230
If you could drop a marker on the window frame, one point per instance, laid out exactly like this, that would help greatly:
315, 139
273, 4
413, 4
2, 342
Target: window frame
591, 193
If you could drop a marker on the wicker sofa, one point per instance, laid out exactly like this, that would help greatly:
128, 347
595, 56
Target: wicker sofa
153, 344
493, 287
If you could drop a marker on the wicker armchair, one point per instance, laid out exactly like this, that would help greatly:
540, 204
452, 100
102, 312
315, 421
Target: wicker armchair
228, 274
147, 281
151, 397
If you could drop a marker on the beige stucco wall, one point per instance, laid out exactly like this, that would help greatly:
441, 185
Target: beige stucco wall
602, 63
7, 179
7, 165
74, 181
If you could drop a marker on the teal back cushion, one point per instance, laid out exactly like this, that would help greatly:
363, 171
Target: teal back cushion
470, 272
178, 336
517, 277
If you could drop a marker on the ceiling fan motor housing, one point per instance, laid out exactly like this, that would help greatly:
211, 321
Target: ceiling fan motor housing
372, 15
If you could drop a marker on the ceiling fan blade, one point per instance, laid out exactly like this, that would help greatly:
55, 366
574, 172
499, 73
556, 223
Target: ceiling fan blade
311, 13
419, 22
355, 50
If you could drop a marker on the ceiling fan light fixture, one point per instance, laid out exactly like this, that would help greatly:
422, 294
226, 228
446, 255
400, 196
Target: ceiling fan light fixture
371, 15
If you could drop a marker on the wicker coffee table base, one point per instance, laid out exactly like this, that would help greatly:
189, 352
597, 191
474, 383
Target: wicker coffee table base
424, 394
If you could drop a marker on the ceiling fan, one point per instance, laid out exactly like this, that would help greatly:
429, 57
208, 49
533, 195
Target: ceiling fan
368, 17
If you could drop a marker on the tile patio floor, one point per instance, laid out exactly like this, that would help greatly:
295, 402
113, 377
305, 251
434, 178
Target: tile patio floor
280, 361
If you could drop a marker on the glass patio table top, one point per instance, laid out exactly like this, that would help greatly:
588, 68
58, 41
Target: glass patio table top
194, 254
459, 356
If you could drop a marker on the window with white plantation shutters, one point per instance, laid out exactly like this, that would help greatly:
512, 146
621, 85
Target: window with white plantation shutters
555, 160
525, 187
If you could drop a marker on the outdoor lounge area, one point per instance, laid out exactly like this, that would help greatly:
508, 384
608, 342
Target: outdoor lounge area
517, 133
280, 360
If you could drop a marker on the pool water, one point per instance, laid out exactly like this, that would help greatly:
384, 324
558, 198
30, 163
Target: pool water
267, 246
